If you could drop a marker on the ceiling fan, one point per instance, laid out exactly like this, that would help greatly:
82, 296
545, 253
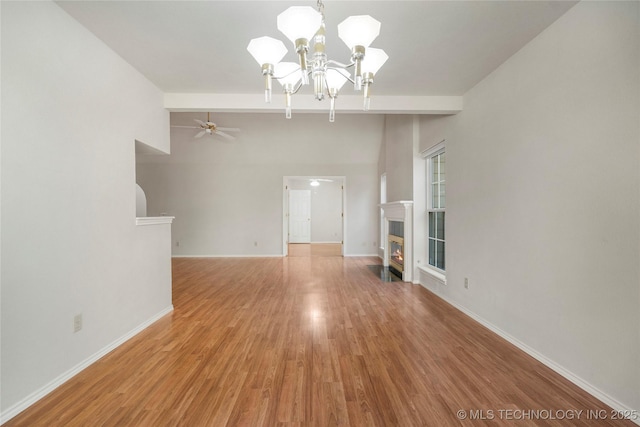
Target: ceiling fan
316, 181
210, 128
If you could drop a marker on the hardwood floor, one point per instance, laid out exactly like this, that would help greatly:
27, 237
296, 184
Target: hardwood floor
311, 341
314, 249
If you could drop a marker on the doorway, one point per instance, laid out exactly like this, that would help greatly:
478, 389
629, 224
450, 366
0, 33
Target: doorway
313, 214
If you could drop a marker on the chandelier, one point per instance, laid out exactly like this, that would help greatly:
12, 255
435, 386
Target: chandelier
300, 24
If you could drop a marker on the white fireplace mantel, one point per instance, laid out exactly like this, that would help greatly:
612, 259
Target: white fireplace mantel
400, 211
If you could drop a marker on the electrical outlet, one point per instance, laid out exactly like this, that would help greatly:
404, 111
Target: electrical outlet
77, 322
178, 243
466, 283
255, 243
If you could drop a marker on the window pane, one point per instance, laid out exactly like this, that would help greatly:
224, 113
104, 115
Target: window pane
436, 201
440, 225
432, 224
434, 169
435, 196
440, 255
432, 252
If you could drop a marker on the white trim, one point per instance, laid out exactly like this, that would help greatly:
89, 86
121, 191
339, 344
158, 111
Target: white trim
326, 243
229, 256
435, 274
361, 255
254, 103
428, 152
20, 406
285, 208
154, 220
584, 385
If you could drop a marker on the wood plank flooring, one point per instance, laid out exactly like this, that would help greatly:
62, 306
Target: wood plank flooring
315, 341
314, 249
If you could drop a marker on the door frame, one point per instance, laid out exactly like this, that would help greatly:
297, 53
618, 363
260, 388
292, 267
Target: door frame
285, 208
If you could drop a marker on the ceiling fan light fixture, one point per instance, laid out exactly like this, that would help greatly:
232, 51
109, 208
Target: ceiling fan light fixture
302, 24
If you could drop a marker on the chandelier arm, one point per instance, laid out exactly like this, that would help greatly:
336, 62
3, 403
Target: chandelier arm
340, 64
297, 88
286, 75
338, 68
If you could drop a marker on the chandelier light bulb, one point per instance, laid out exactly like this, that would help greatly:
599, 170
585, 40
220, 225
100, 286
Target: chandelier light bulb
336, 78
374, 60
267, 50
287, 73
360, 30
299, 22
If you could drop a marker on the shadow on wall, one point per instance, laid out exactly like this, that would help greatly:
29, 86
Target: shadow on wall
141, 202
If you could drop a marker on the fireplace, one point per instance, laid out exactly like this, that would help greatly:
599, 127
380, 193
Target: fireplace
396, 247
398, 226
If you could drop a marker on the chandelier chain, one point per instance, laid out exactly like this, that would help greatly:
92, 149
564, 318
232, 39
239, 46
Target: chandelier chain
321, 9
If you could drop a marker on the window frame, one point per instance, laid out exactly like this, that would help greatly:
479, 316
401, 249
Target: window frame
429, 155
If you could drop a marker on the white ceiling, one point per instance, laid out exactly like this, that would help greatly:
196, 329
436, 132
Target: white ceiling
436, 48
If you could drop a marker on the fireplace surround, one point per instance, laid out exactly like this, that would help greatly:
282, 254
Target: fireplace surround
396, 247
394, 213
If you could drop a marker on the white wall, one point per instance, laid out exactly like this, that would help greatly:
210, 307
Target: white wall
228, 195
543, 198
398, 143
72, 109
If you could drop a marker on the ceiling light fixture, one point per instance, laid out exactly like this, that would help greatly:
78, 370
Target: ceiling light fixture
302, 23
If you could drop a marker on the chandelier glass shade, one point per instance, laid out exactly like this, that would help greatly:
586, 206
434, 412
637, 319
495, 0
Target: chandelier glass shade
304, 27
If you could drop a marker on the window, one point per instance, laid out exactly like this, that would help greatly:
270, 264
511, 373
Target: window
436, 208
383, 199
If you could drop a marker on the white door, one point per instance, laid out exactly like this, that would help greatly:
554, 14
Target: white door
299, 216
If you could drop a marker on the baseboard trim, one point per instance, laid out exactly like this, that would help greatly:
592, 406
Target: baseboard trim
360, 255
20, 406
228, 256
584, 385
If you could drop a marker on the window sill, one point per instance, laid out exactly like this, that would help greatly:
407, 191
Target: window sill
435, 274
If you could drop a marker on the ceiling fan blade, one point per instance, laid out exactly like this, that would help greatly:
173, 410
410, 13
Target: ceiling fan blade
200, 122
186, 127
199, 134
224, 135
229, 129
